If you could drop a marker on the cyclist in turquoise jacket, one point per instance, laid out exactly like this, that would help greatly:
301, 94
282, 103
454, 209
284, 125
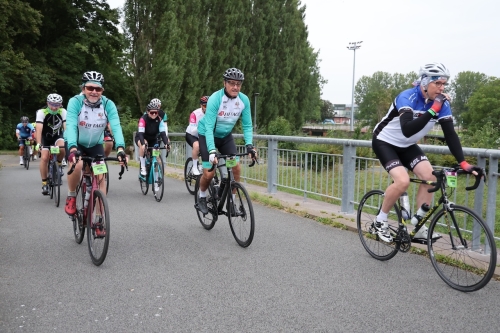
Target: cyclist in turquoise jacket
87, 117
224, 108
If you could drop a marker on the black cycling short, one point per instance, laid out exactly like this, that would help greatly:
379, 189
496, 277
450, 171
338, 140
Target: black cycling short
51, 141
151, 141
225, 146
391, 156
92, 151
191, 139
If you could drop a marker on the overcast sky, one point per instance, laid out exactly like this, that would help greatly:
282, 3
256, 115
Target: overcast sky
398, 37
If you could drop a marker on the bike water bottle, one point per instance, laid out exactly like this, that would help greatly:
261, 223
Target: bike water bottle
405, 206
420, 213
87, 191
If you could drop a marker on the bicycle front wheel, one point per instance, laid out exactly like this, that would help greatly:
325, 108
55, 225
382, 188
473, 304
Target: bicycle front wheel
78, 220
368, 209
26, 158
208, 220
240, 215
158, 176
106, 177
143, 180
56, 187
465, 256
98, 228
189, 178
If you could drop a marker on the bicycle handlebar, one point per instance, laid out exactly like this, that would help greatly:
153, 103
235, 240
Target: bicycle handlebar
102, 158
440, 174
254, 160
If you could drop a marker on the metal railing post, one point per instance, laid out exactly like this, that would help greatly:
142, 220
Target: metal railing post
305, 175
492, 196
478, 193
272, 165
348, 179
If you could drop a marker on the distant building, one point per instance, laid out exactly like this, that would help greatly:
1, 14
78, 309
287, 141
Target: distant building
342, 113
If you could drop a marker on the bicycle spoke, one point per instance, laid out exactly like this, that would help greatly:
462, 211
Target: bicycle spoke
98, 226
241, 216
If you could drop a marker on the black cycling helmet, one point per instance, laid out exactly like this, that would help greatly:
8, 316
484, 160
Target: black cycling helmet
153, 105
233, 74
204, 100
93, 76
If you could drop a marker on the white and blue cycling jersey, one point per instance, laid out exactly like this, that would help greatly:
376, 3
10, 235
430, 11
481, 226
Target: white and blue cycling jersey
222, 114
85, 125
389, 128
25, 131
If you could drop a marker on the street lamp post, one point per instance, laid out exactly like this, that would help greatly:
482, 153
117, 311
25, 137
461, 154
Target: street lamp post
353, 46
255, 113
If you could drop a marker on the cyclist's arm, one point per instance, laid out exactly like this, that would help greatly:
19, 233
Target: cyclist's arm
164, 133
18, 134
114, 121
410, 126
452, 139
73, 109
206, 126
64, 114
40, 116
246, 119
141, 129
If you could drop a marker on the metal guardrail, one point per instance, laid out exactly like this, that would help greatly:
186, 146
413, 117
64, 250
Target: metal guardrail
343, 178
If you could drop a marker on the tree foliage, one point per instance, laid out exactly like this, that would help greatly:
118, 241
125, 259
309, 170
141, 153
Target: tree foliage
483, 108
461, 89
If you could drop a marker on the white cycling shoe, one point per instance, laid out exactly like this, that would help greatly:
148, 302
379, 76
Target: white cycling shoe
423, 232
383, 231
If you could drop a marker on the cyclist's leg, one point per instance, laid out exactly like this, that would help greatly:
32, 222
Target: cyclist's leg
142, 159
207, 175
227, 146
21, 151
93, 152
62, 152
44, 163
193, 142
423, 170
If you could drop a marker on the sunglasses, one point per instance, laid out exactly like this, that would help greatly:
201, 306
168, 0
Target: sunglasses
90, 88
25, 122
55, 105
153, 113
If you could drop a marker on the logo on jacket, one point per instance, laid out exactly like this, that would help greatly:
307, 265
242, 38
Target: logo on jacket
221, 113
82, 123
100, 115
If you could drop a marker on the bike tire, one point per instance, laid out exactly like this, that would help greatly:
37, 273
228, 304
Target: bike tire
98, 245
466, 266
143, 181
56, 187
78, 218
159, 179
189, 178
50, 182
240, 214
26, 158
368, 210
208, 220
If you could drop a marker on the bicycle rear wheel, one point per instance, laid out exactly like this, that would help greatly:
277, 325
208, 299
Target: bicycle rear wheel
158, 176
465, 256
189, 178
98, 228
106, 177
368, 209
240, 215
56, 187
78, 220
208, 220
26, 157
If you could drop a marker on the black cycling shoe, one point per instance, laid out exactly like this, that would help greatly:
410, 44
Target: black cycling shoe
45, 190
202, 205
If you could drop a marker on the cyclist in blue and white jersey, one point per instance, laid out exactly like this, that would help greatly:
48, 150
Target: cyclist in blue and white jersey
24, 131
412, 114
87, 117
192, 132
224, 108
50, 124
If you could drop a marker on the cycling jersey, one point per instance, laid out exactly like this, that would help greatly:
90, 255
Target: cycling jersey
221, 115
52, 122
389, 128
24, 132
194, 119
85, 125
149, 128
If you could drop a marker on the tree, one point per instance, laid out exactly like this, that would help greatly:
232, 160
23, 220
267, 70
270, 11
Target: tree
484, 107
327, 110
374, 95
462, 88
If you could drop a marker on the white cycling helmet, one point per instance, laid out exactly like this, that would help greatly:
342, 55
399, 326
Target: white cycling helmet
153, 105
434, 69
93, 76
155, 100
54, 98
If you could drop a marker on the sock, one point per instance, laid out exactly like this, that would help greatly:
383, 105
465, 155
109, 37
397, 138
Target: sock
203, 194
195, 163
382, 216
143, 161
71, 193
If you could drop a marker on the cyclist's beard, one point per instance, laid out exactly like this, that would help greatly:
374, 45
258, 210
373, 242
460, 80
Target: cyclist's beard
93, 105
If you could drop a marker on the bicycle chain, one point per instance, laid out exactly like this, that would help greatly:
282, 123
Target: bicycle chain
405, 240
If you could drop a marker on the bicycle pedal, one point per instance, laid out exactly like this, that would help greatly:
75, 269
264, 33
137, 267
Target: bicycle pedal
419, 240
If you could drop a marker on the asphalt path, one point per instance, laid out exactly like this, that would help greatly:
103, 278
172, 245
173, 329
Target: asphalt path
165, 273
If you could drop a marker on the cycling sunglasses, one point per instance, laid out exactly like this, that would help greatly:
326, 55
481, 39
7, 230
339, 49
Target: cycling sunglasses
90, 88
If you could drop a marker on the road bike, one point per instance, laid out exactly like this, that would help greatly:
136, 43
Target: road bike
54, 175
26, 153
92, 211
189, 177
155, 172
230, 195
460, 245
